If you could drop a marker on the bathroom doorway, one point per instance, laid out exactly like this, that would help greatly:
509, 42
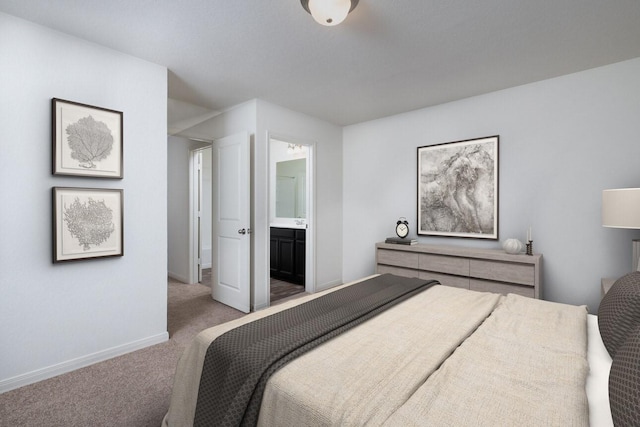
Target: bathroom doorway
290, 217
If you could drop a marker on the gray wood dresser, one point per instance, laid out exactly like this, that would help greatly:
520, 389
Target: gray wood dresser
487, 270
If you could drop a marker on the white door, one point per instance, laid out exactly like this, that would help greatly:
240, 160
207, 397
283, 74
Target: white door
231, 243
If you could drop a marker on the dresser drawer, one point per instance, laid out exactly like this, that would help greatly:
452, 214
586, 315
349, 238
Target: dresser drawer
504, 272
486, 270
398, 271
398, 258
444, 264
501, 288
445, 279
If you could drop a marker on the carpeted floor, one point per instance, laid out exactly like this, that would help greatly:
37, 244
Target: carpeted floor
129, 391
132, 390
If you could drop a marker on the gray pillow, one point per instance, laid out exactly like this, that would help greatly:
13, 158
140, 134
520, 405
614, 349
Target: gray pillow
619, 311
624, 383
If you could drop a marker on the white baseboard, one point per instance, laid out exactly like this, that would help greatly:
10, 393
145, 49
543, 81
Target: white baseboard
328, 285
206, 257
178, 277
260, 307
80, 362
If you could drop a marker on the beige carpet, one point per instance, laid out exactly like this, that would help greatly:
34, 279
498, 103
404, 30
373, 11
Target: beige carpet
131, 390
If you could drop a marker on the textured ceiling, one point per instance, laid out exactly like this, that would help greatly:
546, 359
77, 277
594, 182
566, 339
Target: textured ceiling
388, 56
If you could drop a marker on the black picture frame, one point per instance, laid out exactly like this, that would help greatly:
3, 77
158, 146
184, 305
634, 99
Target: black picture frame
458, 185
87, 140
88, 223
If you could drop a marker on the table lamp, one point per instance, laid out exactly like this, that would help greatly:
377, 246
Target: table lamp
621, 209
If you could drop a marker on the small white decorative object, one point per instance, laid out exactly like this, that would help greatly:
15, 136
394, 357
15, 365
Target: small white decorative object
513, 246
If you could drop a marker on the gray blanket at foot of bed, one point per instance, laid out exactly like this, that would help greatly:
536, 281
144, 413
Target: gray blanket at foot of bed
238, 364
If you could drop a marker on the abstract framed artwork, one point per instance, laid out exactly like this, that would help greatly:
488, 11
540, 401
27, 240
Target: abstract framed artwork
87, 223
87, 140
458, 189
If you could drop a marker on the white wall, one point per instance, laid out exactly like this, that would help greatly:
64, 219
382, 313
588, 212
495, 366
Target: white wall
259, 117
178, 177
54, 318
241, 118
327, 139
562, 141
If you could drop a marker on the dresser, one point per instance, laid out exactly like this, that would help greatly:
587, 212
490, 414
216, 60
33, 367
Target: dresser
487, 270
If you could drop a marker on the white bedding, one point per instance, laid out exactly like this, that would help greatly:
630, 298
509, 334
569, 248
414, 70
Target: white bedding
279, 388
503, 374
598, 379
365, 375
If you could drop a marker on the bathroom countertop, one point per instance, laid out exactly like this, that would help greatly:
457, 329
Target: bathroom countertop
288, 225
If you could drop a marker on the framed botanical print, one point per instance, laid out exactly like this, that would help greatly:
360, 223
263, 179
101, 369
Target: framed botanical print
87, 223
87, 140
458, 189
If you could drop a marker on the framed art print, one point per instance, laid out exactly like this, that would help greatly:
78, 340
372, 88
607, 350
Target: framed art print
87, 140
458, 189
87, 223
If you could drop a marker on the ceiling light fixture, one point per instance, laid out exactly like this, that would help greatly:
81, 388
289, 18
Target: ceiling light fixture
329, 12
294, 148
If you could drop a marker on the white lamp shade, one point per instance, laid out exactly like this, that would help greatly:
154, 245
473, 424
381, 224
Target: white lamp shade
621, 208
329, 12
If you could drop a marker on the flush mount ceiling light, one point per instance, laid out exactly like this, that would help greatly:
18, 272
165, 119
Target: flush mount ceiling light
329, 12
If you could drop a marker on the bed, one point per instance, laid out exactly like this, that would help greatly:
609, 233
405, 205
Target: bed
444, 356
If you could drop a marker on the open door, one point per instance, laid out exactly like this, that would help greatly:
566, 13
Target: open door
231, 203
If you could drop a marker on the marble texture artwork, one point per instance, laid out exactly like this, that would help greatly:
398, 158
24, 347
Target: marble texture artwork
457, 189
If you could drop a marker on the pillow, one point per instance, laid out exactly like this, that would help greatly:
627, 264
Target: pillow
619, 311
624, 383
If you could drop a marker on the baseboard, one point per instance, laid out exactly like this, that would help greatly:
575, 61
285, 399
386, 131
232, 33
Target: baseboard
325, 286
205, 259
178, 277
80, 362
260, 307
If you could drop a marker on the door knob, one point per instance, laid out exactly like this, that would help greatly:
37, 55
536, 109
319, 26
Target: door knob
242, 231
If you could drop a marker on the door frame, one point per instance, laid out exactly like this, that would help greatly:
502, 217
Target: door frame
310, 237
195, 259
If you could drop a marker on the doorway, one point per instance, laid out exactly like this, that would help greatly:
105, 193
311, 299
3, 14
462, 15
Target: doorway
290, 217
220, 219
200, 217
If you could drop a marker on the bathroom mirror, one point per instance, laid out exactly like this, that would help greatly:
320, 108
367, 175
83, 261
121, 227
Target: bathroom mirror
291, 188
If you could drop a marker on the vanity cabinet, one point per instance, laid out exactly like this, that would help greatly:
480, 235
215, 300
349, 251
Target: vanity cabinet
487, 270
288, 254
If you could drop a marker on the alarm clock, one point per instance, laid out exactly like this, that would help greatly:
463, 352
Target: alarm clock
402, 228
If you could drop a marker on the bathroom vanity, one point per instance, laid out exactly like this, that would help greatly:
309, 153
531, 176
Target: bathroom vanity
288, 254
